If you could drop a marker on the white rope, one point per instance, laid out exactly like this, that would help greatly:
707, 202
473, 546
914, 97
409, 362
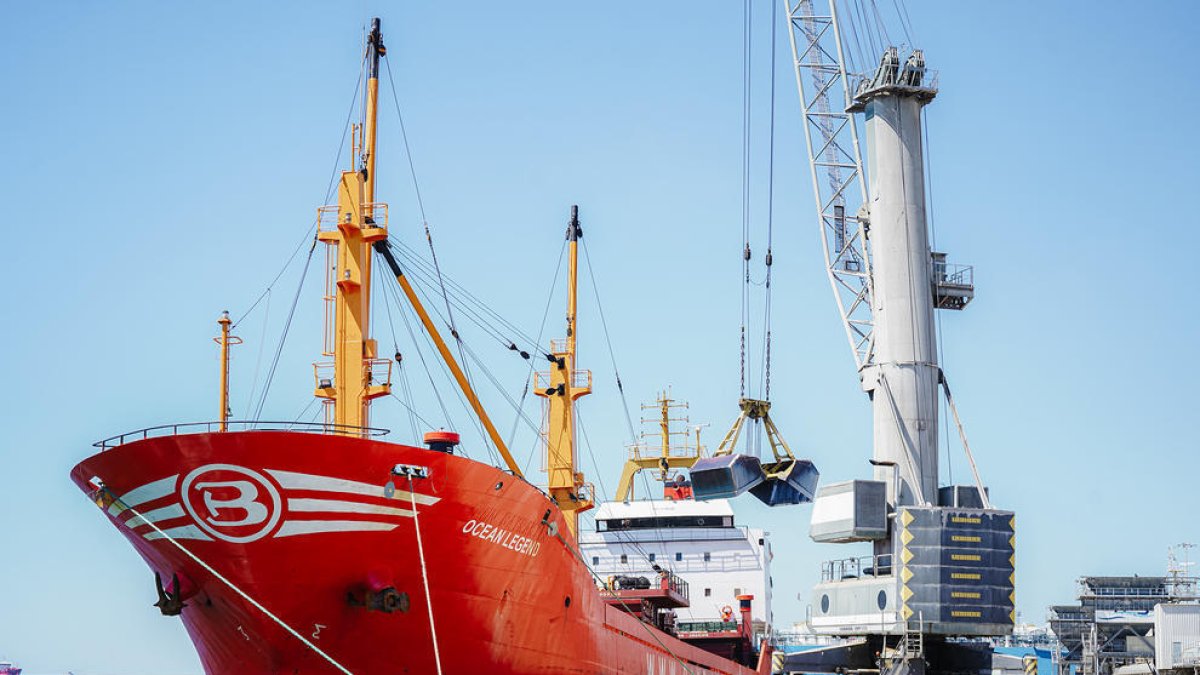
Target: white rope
412, 494
230, 584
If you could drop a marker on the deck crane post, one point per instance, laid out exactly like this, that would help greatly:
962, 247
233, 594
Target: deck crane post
561, 386
669, 455
355, 375
942, 560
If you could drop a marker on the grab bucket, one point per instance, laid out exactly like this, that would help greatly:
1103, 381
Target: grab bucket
725, 476
787, 482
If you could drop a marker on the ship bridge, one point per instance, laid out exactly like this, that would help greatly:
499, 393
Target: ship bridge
700, 542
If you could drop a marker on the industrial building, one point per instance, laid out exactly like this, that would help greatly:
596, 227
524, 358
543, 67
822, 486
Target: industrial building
1129, 626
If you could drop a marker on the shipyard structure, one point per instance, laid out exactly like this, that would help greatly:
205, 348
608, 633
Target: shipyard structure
1129, 625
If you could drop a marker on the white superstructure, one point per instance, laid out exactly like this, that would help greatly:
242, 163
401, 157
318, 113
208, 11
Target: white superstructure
699, 541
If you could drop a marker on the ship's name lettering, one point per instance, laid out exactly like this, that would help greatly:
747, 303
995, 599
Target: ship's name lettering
501, 537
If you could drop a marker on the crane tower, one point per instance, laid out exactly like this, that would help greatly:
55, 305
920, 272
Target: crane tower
942, 559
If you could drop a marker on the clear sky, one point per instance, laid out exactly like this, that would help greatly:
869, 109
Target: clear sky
161, 161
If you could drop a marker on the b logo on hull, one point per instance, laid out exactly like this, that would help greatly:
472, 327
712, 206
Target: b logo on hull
230, 502
235, 504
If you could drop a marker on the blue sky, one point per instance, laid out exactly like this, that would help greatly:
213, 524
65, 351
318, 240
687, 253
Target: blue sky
162, 161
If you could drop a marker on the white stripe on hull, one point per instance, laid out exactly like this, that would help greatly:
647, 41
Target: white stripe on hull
340, 506
306, 481
296, 527
165, 513
143, 494
182, 532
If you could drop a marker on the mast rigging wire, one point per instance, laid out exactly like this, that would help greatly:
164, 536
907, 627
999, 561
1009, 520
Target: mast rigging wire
472, 307
310, 233
337, 159
512, 435
608, 340
463, 364
262, 343
403, 376
287, 326
395, 297
404, 136
429, 238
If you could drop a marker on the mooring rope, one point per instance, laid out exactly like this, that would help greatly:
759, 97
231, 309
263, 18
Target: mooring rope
245, 596
412, 495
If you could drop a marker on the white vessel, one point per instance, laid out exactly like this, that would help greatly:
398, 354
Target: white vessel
699, 541
636, 541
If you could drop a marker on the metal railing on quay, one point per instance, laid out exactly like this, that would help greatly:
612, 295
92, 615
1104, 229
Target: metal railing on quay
869, 566
236, 425
677, 534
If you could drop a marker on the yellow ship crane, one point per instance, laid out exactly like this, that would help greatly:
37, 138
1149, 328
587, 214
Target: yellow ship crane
356, 375
351, 229
669, 455
561, 386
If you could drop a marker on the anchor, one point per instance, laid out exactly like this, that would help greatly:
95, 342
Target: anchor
170, 602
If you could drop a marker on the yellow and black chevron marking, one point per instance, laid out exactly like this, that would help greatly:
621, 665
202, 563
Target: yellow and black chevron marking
1030, 662
906, 556
1012, 580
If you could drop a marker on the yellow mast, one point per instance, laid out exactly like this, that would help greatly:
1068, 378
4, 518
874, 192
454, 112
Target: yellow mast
561, 386
352, 228
668, 457
349, 231
225, 340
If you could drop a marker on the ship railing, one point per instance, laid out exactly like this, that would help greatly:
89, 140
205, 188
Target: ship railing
237, 425
709, 626
375, 372
330, 216
654, 451
580, 380
642, 535
740, 563
669, 581
870, 566
953, 274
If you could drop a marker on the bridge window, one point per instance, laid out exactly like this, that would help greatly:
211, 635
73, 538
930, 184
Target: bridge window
595, 560
707, 556
678, 556
624, 559
652, 557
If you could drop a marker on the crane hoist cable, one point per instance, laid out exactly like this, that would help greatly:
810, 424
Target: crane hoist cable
783, 479
747, 38
770, 221
747, 157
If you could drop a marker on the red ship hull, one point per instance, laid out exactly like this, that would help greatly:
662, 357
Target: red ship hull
306, 525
